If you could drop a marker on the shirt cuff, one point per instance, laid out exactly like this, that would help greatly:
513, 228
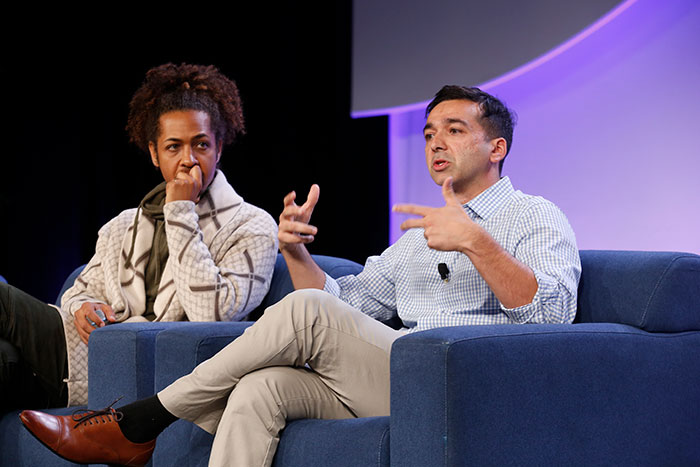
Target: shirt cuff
331, 286
546, 286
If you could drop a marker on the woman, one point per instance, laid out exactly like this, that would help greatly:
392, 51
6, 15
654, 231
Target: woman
193, 249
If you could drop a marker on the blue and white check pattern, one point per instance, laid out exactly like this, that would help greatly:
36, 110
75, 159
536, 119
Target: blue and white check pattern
405, 278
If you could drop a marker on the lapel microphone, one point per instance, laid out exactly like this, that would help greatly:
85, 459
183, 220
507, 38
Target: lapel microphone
444, 272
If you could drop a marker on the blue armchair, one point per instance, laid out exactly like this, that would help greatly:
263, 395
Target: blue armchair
125, 362
620, 386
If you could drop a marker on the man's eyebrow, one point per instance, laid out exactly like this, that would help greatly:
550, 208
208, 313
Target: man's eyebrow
457, 120
429, 126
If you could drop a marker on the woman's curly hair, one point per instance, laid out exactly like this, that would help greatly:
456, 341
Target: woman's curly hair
172, 87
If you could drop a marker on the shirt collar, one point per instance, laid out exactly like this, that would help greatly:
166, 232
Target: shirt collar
490, 200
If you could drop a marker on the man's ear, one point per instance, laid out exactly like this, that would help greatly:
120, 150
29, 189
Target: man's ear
154, 153
498, 150
220, 147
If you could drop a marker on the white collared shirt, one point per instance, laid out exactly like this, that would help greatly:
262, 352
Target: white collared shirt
404, 279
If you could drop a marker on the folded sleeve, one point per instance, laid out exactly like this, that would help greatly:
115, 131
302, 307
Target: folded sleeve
547, 244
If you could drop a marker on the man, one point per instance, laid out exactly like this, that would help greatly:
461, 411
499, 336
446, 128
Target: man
490, 255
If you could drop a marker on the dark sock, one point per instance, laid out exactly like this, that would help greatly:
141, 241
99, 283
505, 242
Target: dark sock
144, 420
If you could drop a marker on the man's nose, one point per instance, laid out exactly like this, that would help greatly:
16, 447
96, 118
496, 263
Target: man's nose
437, 143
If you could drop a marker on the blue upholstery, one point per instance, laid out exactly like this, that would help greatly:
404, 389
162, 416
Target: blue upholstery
587, 394
122, 358
18, 448
123, 364
68, 283
340, 443
592, 393
367, 439
282, 284
178, 351
182, 347
648, 290
618, 387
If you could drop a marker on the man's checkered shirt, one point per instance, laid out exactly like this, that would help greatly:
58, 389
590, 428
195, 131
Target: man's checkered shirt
405, 278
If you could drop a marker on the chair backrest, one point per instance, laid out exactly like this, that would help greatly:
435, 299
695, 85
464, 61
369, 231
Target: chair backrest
281, 284
68, 283
651, 290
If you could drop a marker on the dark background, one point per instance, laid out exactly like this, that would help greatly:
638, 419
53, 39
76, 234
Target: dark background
68, 167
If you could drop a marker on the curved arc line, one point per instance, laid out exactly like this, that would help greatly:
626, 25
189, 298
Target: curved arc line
604, 20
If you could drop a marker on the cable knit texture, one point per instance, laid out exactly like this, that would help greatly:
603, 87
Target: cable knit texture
222, 254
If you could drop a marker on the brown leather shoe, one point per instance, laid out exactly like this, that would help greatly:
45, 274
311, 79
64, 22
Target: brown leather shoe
91, 437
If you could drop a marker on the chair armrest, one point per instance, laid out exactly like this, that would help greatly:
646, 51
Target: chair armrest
178, 351
584, 394
181, 348
122, 357
121, 362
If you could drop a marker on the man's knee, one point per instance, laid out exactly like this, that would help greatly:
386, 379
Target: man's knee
304, 303
255, 394
306, 296
310, 310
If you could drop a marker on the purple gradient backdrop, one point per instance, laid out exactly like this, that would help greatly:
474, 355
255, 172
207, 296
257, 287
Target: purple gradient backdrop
606, 130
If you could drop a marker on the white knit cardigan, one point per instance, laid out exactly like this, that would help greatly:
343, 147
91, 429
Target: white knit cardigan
222, 253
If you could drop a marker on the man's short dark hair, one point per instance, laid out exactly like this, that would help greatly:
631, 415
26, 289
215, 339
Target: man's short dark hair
496, 119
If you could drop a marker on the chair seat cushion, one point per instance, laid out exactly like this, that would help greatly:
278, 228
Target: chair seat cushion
340, 443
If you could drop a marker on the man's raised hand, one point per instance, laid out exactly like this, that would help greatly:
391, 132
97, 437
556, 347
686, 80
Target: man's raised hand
447, 228
294, 227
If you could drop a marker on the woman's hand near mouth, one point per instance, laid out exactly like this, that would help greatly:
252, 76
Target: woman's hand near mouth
186, 186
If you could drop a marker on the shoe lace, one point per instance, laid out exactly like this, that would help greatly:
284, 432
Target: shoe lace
108, 414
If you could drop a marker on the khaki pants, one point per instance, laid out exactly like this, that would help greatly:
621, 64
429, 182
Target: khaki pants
309, 356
